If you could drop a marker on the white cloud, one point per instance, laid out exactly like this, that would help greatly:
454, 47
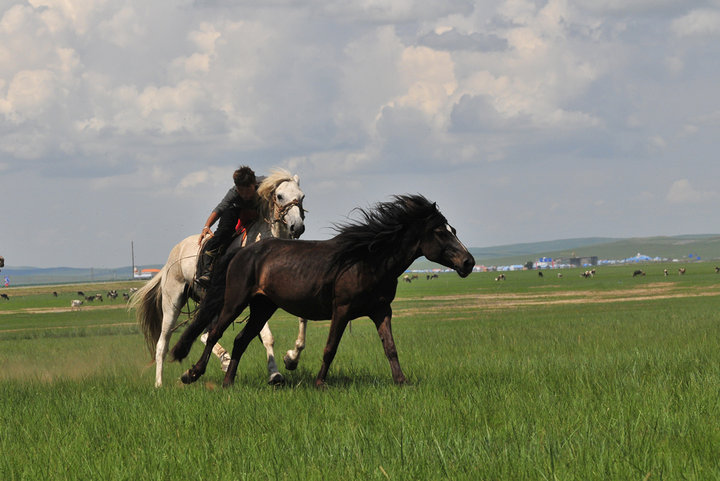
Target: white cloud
682, 192
160, 101
627, 7
193, 180
698, 22
123, 28
14, 18
30, 92
74, 14
205, 37
657, 142
429, 79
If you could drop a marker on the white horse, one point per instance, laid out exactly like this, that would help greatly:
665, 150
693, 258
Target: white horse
159, 302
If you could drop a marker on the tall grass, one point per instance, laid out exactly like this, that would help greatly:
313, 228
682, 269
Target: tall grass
612, 390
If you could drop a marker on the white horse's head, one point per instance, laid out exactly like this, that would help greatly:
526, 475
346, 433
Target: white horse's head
284, 202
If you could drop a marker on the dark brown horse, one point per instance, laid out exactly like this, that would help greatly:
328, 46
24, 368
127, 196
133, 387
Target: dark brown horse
351, 275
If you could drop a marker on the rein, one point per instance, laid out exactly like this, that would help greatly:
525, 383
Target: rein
280, 211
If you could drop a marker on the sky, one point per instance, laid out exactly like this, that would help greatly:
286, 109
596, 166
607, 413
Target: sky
122, 121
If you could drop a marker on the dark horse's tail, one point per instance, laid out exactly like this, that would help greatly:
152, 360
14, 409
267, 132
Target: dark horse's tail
208, 311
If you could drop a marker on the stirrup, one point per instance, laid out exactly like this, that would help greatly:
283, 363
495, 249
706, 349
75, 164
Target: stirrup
203, 281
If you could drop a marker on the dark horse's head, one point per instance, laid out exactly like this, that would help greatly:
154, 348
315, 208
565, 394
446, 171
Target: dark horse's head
438, 240
387, 227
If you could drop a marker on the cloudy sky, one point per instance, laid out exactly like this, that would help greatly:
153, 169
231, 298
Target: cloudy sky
525, 120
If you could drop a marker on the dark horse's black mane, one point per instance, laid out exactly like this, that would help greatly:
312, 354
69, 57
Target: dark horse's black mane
381, 229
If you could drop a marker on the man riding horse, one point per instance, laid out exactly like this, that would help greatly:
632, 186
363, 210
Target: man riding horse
236, 211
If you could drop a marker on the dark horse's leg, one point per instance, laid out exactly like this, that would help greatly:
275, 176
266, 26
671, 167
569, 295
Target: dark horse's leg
261, 309
381, 318
228, 314
337, 328
209, 309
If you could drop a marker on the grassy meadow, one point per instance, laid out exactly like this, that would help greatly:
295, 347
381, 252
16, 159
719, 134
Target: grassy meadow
609, 378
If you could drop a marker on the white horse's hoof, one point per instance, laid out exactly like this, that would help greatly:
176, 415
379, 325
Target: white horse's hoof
290, 363
276, 378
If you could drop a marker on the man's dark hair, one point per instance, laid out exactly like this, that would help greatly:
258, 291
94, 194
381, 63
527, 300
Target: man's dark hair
244, 176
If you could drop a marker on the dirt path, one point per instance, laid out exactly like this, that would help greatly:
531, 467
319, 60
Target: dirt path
519, 300
50, 328
47, 310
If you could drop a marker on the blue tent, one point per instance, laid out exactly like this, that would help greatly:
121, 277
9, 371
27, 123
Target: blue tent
638, 258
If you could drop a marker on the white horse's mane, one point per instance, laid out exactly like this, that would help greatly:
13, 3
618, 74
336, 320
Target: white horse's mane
267, 187
276, 177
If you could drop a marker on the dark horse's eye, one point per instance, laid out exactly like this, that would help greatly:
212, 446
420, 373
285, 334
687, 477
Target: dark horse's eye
446, 228
280, 197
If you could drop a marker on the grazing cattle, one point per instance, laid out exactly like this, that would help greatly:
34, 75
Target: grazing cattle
665, 272
588, 274
126, 296
540, 274
89, 298
560, 275
112, 294
638, 273
681, 271
501, 277
55, 294
5, 296
99, 297
76, 303
717, 269
81, 293
406, 278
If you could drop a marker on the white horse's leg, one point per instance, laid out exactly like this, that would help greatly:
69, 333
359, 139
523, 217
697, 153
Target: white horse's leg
219, 351
170, 314
269, 342
161, 350
292, 357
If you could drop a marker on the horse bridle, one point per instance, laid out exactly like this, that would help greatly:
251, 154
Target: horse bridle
280, 211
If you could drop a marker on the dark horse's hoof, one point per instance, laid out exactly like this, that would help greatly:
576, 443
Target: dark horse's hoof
188, 377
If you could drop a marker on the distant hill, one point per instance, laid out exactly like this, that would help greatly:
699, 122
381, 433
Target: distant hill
22, 276
705, 246
536, 248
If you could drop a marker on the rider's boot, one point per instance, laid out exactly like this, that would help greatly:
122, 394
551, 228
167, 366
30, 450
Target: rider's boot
204, 268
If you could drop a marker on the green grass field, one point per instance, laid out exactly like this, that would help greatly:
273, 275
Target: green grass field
610, 378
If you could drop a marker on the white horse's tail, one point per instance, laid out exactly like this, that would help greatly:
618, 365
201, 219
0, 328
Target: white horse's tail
147, 302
